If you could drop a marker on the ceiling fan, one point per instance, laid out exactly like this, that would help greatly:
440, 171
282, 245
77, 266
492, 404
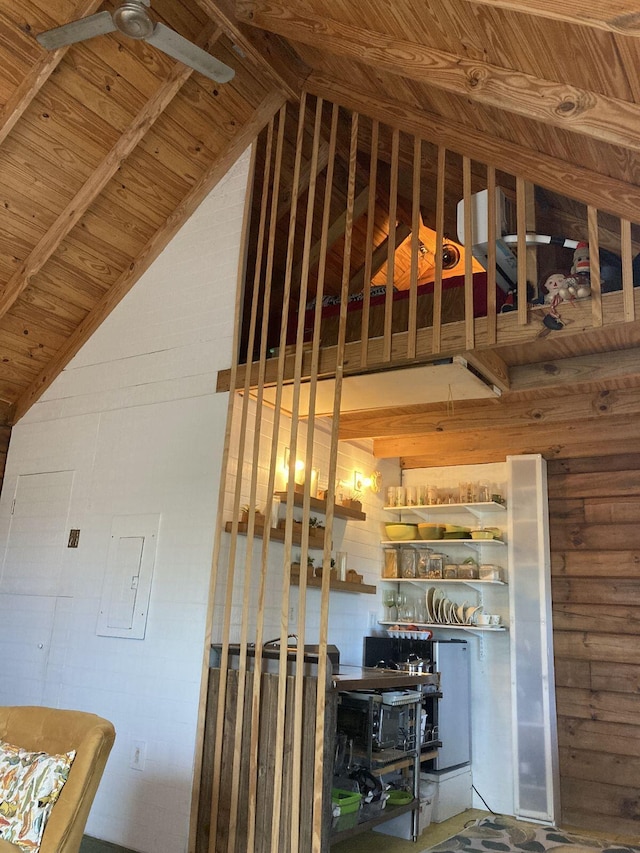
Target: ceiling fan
132, 20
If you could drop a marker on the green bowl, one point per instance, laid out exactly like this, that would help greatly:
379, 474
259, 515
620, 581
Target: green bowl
399, 798
431, 531
401, 532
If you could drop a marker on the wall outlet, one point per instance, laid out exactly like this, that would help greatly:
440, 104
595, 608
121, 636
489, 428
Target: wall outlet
138, 755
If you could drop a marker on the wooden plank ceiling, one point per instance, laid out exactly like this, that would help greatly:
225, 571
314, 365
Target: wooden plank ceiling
109, 145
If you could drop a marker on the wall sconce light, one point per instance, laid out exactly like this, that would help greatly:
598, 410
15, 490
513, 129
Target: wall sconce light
373, 482
298, 471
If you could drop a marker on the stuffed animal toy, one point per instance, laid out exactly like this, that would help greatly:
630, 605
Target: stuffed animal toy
554, 289
581, 272
581, 265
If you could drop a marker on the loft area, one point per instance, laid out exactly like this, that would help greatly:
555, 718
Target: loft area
399, 214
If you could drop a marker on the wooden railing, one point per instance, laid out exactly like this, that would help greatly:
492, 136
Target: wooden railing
346, 225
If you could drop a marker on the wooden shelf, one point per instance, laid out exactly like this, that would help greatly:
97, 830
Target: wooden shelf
320, 506
340, 586
386, 814
277, 534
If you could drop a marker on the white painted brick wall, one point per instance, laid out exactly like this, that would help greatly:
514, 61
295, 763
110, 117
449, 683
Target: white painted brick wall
136, 417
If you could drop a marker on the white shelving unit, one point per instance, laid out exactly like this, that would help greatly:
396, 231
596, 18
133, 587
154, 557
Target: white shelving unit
477, 509
469, 543
429, 512
473, 629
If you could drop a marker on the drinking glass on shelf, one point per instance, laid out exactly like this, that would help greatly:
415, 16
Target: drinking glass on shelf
467, 492
411, 494
407, 612
389, 601
391, 495
401, 496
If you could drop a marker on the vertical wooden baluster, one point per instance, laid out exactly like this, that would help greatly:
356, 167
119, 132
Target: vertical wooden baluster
215, 570
286, 574
324, 606
594, 264
415, 249
368, 250
627, 271
492, 320
468, 255
521, 220
296, 753
326, 557
391, 254
437, 284
248, 563
257, 681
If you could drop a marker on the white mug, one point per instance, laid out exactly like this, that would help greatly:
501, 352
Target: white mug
494, 620
484, 619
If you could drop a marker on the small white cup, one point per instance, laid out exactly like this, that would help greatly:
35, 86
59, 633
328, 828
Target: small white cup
494, 620
484, 619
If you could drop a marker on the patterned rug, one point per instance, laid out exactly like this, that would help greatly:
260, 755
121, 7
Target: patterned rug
502, 834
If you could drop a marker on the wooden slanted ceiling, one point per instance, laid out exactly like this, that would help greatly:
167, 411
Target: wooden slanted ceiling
108, 145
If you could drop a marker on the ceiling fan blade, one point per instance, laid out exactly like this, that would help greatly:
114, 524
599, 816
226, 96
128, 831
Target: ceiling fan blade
175, 45
84, 28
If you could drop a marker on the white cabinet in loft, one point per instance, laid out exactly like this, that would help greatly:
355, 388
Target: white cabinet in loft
127, 587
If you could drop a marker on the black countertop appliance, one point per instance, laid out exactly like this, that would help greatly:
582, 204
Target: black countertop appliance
450, 658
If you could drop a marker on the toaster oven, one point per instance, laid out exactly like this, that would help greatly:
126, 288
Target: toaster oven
380, 720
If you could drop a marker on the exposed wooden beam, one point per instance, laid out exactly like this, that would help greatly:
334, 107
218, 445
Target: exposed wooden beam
268, 52
617, 369
101, 176
417, 422
263, 113
622, 16
610, 194
29, 86
617, 16
558, 104
566, 440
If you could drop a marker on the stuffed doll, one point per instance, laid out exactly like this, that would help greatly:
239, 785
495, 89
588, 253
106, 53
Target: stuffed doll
581, 265
580, 284
554, 289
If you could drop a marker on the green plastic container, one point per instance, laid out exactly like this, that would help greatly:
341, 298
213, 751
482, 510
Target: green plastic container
349, 801
400, 798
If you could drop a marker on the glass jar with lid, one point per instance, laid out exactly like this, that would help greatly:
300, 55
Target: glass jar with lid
390, 567
408, 562
436, 565
423, 556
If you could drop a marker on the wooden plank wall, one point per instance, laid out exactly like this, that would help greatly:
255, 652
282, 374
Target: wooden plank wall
594, 506
267, 783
